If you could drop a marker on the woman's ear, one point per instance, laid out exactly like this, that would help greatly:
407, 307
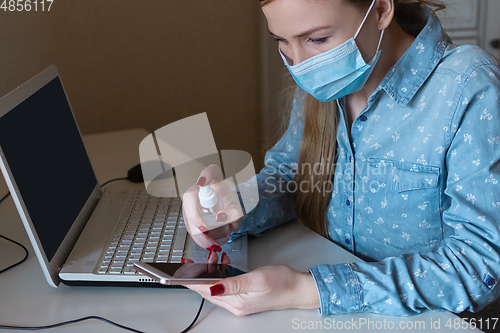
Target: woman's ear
385, 13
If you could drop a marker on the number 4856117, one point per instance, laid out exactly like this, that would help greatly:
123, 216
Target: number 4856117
26, 5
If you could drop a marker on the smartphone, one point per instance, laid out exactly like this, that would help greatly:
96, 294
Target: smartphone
188, 273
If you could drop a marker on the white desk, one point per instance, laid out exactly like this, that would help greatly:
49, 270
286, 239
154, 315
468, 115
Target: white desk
26, 298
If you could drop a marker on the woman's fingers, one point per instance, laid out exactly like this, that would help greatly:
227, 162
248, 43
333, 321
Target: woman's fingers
231, 286
227, 220
230, 214
212, 258
203, 240
211, 174
232, 210
225, 259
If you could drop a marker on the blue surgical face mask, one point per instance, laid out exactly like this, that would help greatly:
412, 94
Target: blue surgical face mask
335, 73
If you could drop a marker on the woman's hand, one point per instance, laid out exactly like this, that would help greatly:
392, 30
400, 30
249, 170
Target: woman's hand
266, 288
229, 217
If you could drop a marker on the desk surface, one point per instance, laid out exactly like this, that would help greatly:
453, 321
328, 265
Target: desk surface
26, 298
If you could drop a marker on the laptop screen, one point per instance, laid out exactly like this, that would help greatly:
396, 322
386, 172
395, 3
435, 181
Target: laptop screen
44, 150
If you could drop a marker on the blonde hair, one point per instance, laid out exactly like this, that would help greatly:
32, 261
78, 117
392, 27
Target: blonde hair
319, 143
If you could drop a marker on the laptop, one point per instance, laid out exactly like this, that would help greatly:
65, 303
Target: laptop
83, 234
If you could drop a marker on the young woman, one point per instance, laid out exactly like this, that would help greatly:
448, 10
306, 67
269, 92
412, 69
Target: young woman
406, 124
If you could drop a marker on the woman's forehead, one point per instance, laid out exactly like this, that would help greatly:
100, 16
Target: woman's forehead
292, 17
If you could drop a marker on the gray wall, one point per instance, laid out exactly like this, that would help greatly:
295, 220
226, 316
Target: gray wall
128, 64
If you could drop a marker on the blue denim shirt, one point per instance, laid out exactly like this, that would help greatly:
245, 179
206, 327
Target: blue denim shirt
416, 190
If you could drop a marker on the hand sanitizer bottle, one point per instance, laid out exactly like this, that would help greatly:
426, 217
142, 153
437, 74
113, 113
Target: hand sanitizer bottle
209, 205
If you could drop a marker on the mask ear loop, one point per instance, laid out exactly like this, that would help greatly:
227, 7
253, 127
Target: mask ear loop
380, 40
363, 22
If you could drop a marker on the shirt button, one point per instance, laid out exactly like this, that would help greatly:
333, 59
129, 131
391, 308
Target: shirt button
347, 241
348, 203
362, 118
490, 282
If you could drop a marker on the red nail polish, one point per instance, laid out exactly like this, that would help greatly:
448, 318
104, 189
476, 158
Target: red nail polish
205, 232
183, 260
214, 247
209, 255
217, 289
201, 181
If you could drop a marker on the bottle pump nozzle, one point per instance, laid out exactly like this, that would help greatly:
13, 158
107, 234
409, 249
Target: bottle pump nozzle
207, 197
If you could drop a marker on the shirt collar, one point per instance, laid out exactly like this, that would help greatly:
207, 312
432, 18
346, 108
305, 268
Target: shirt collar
409, 73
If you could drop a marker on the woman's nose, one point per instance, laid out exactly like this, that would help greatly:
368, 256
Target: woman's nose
288, 59
295, 56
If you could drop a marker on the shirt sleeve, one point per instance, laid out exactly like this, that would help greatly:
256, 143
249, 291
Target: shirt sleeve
462, 271
276, 197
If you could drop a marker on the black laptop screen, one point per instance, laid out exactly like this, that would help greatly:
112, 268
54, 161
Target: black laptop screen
44, 150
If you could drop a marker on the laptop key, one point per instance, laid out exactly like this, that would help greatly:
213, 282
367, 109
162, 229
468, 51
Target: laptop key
167, 237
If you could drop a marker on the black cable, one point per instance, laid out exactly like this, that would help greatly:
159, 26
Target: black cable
197, 315
13, 241
19, 262
112, 180
4, 197
35, 328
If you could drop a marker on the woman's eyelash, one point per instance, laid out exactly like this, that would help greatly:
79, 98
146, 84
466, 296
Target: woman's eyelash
317, 40
312, 40
279, 40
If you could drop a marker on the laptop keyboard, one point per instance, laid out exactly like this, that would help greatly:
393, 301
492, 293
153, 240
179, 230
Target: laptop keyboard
149, 229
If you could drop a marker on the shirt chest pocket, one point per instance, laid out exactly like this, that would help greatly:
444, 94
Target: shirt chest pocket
402, 176
411, 204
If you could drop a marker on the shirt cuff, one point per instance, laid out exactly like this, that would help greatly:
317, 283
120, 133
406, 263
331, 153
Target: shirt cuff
338, 287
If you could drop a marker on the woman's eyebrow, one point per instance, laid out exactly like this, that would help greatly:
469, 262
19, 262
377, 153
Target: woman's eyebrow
305, 33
